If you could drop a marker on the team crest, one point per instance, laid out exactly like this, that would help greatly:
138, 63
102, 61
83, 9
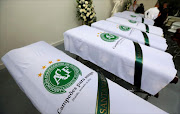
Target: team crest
131, 21
108, 37
60, 76
124, 28
133, 16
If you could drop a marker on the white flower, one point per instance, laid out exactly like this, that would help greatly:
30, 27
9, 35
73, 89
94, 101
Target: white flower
87, 14
88, 9
79, 6
84, 5
84, 17
91, 16
86, 2
81, 15
81, 10
85, 11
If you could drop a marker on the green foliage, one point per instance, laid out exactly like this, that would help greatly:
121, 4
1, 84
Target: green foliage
85, 11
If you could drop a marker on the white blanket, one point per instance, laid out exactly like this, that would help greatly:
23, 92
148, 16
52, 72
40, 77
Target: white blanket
118, 57
152, 13
132, 34
34, 65
140, 26
133, 13
134, 18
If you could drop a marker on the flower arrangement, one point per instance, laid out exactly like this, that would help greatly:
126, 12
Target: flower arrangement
85, 12
128, 4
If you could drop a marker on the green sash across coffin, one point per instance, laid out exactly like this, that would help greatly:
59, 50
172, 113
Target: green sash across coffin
142, 20
103, 101
138, 65
147, 28
146, 39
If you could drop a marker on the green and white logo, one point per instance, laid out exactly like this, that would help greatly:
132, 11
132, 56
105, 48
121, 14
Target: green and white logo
124, 28
109, 37
60, 76
131, 21
133, 16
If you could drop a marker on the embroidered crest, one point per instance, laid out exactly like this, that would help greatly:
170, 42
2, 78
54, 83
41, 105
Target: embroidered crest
108, 37
133, 16
60, 76
124, 28
131, 21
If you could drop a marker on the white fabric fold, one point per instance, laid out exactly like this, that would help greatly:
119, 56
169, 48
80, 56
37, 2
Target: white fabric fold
26, 63
134, 18
132, 34
141, 26
118, 57
152, 13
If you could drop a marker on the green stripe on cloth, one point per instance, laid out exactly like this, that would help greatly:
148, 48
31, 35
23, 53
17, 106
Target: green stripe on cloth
138, 65
147, 28
102, 103
142, 20
146, 39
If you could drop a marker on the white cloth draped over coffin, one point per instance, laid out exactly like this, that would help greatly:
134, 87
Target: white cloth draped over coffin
141, 26
136, 35
134, 18
118, 57
26, 63
133, 13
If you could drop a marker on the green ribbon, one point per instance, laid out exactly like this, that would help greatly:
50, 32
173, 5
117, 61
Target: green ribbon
146, 39
142, 20
138, 65
102, 103
147, 28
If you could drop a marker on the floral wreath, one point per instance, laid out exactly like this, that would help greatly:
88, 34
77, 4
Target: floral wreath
85, 12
